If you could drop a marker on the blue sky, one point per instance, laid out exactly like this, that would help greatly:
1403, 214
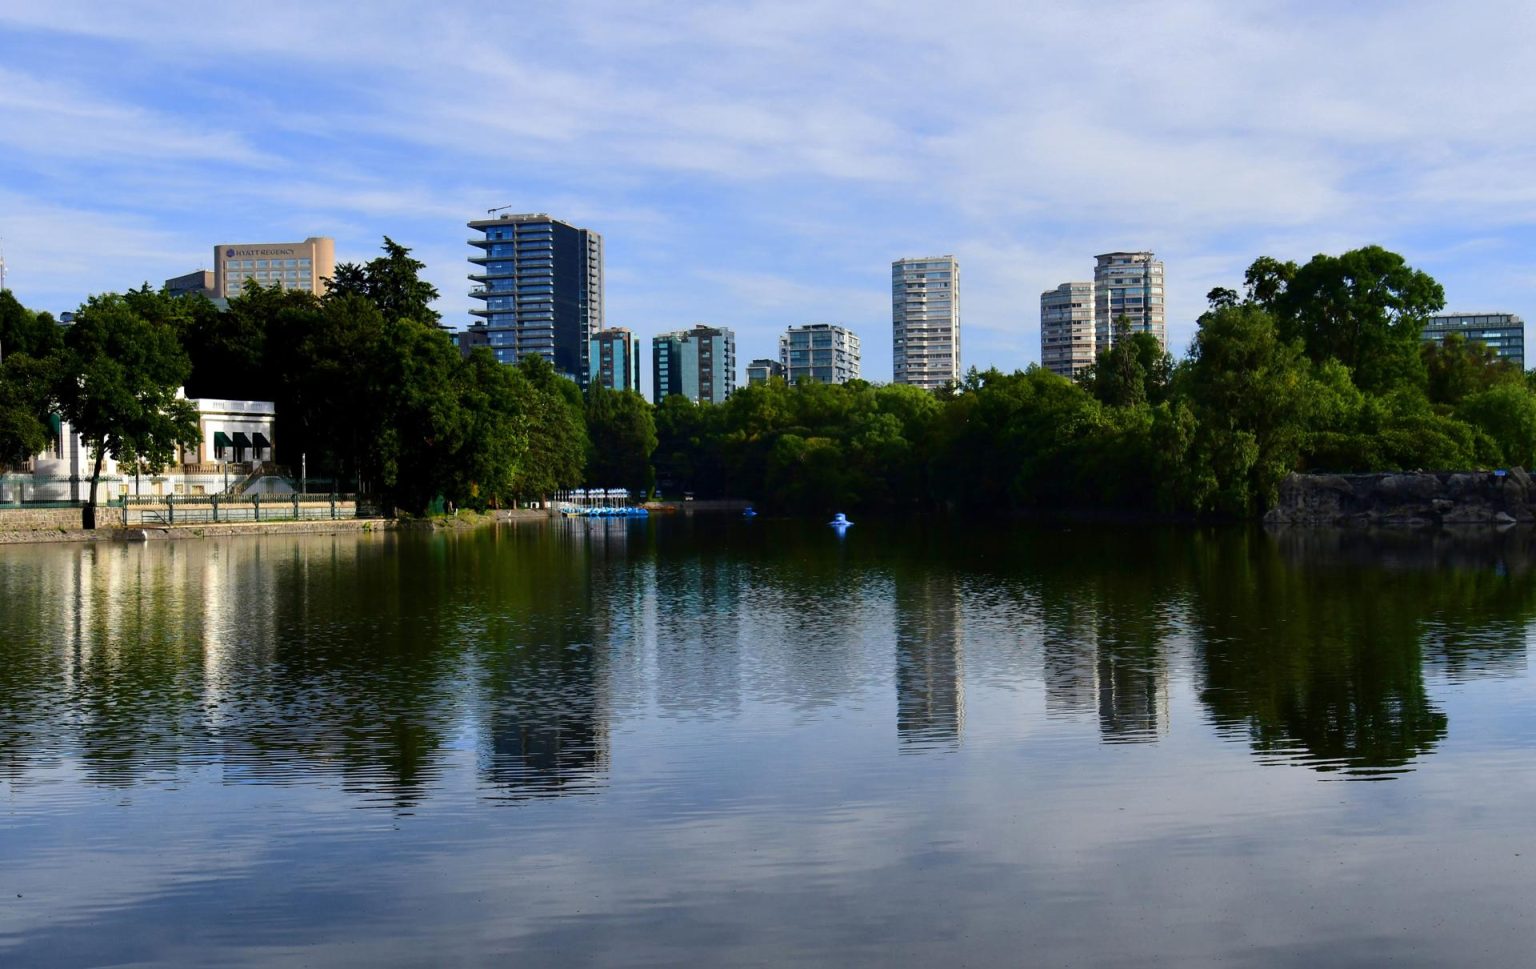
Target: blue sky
756, 165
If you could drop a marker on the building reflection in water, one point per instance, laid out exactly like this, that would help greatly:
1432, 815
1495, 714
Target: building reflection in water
930, 673
545, 679
1104, 657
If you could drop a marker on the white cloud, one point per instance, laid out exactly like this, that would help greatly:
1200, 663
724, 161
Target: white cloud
727, 142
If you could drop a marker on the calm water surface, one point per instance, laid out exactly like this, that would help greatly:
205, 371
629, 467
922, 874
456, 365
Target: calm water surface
717, 742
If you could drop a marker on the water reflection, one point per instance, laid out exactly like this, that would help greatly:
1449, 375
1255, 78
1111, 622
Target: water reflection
930, 674
368, 662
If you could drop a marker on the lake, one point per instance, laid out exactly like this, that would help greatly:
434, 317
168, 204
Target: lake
712, 741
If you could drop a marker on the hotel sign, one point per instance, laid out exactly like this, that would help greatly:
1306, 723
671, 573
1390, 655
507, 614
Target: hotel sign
233, 253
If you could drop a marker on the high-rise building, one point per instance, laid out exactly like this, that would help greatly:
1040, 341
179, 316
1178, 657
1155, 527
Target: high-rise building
542, 283
760, 370
1503, 333
699, 363
823, 352
613, 360
1066, 328
293, 265
925, 321
1128, 285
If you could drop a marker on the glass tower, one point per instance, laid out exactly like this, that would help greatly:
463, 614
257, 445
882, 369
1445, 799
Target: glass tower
1503, 333
613, 360
699, 363
542, 283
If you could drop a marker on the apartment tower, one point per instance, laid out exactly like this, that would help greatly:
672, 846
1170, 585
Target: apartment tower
613, 360
1129, 285
699, 363
925, 321
823, 352
1066, 328
542, 283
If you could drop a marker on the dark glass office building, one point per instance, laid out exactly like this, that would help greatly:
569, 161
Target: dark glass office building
542, 283
1503, 333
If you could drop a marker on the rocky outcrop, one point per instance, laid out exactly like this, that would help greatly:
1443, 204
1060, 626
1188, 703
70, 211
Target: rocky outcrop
1411, 498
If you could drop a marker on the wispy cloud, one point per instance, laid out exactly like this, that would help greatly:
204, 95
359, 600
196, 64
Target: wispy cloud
775, 156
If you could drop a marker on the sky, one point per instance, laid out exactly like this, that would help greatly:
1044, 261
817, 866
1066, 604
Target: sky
760, 164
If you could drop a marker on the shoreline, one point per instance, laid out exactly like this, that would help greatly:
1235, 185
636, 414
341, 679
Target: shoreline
183, 533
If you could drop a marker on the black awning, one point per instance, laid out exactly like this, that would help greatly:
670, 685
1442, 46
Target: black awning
261, 441
220, 440
241, 441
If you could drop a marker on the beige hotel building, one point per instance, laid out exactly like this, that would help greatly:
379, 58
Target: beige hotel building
293, 265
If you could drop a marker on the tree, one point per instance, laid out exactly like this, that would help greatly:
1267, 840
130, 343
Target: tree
391, 282
1248, 390
28, 342
557, 437
621, 438
1457, 368
495, 401
119, 373
1365, 308
1507, 414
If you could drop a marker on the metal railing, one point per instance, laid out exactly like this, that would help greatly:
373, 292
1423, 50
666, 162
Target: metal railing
217, 509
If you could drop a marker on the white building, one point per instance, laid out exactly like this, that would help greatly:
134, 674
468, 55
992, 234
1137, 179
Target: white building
925, 321
235, 454
1129, 285
1066, 328
823, 352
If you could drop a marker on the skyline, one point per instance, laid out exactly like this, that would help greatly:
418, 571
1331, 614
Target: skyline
757, 166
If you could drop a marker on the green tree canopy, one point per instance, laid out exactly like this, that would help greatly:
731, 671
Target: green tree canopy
1365, 308
118, 378
392, 283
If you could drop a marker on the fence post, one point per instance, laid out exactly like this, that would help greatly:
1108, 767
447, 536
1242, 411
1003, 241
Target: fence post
333, 506
215, 509
256, 500
170, 509
295, 506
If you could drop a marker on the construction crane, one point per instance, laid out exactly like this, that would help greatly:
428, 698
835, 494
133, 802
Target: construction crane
498, 209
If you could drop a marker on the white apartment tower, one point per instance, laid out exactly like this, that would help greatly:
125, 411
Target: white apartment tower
1130, 285
1066, 328
925, 321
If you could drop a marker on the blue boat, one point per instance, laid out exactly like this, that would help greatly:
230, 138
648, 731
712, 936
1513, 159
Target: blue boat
749, 512
839, 520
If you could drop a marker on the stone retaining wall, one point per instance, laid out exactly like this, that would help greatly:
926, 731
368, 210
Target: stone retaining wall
32, 519
1419, 498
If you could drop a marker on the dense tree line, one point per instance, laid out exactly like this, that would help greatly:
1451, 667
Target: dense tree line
1314, 367
1317, 367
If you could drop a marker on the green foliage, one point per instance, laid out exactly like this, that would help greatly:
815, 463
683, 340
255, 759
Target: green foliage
28, 342
392, 283
120, 369
1456, 369
1506, 413
1365, 309
621, 438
